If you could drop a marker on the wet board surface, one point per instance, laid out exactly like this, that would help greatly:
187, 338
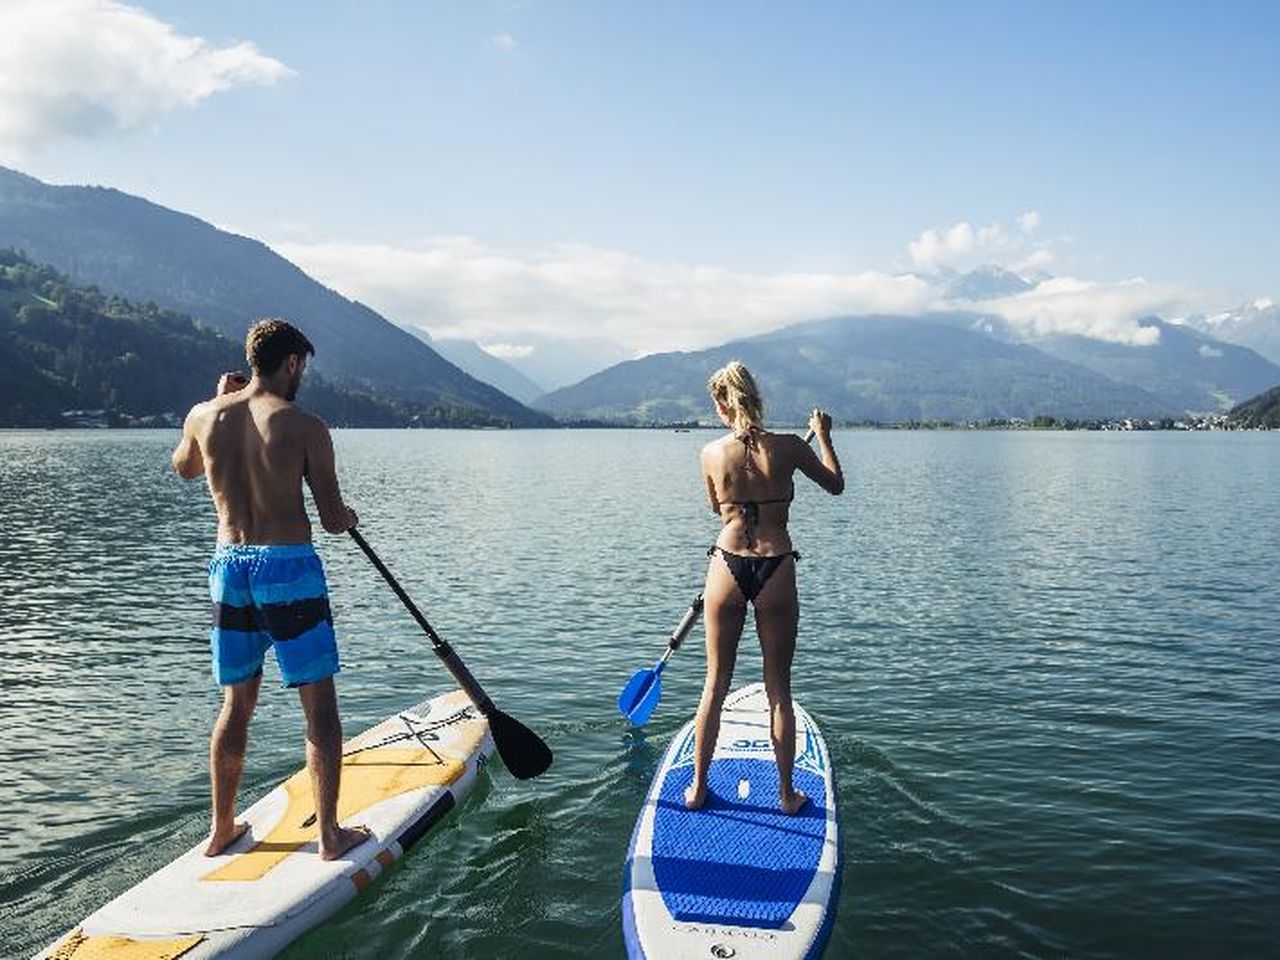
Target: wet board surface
738, 878
399, 778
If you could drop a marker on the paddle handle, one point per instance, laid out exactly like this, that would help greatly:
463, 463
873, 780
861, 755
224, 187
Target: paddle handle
808, 437
690, 618
453, 663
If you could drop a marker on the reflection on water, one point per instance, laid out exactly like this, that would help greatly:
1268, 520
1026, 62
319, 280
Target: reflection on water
1046, 665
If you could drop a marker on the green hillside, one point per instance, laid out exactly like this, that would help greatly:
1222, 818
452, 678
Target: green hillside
1260, 411
65, 348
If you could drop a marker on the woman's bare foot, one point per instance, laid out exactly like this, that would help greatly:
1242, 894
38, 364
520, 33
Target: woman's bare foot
347, 838
694, 798
791, 804
219, 840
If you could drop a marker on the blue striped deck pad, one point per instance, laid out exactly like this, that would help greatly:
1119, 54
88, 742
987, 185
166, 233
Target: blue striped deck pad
740, 862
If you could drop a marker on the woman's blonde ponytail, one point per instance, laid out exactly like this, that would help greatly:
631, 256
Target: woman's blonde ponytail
733, 387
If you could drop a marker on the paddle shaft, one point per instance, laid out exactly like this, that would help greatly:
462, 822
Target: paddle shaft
690, 618
453, 663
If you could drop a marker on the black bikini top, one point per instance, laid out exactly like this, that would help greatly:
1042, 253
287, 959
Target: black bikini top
751, 508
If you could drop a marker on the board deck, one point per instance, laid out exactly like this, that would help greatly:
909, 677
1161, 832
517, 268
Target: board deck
399, 779
738, 878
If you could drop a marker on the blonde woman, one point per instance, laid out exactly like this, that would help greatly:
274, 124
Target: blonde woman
749, 475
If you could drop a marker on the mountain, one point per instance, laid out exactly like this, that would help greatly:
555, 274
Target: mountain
985, 283
1260, 411
866, 368
469, 356
146, 252
1255, 325
69, 348
1185, 369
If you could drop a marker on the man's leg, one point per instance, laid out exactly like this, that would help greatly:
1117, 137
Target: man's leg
226, 760
324, 761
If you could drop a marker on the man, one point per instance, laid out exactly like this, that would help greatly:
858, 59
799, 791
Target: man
267, 583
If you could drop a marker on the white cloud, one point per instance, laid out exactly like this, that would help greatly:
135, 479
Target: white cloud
1038, 259
1104, 311
962, 247
1209, 352
503, 41
84, 68
459, 288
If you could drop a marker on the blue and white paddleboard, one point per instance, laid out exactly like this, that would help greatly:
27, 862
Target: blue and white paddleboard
738, 878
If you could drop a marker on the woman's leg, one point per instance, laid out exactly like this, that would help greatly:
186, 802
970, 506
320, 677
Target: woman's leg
724, 612
777, 617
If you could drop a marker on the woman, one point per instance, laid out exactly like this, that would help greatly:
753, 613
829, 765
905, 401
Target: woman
749, 476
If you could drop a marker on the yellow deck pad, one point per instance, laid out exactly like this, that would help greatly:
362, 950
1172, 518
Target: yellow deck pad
78, 946
368, 777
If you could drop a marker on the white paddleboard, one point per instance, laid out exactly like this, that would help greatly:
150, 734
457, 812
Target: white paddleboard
399, 779
738, 878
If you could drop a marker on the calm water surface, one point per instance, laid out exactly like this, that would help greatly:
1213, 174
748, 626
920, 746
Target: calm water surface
1048, 667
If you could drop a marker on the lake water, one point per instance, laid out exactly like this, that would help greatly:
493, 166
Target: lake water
1047, 665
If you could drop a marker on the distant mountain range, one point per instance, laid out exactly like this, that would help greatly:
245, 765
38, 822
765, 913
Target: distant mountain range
865, 369
145, 252
1255, 325
963, 364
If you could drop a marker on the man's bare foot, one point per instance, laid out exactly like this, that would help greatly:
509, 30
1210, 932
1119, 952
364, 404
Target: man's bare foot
347, 839
693, 798
791, 805
220, 840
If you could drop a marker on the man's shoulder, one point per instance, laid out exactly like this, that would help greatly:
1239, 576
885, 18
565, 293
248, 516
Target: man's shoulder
303, 421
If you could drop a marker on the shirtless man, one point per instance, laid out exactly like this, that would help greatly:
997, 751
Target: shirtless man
267, 583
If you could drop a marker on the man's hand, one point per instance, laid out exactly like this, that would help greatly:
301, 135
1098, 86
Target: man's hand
352, 520
231, 382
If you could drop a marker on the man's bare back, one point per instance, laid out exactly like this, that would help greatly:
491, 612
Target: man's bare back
255, 449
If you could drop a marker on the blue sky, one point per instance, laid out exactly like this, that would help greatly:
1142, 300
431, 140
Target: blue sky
754, 140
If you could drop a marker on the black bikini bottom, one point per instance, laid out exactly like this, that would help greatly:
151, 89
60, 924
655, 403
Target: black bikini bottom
751, 573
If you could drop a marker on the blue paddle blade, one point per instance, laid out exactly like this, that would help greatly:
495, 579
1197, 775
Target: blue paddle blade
640, 696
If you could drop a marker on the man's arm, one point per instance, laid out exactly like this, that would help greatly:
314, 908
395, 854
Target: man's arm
188, 462
322, 477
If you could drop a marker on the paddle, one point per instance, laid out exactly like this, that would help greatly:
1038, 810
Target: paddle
639, 698
522, 750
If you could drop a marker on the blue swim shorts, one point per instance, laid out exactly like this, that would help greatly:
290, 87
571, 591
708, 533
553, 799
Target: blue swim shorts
271, 596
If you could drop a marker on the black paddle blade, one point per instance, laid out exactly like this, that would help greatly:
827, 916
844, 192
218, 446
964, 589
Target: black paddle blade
522, 750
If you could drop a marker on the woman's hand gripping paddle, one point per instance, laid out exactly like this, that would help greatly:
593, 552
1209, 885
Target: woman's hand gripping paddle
640, 696
522, 750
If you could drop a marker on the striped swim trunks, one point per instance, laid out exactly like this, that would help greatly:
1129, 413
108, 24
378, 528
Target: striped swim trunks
271, 596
